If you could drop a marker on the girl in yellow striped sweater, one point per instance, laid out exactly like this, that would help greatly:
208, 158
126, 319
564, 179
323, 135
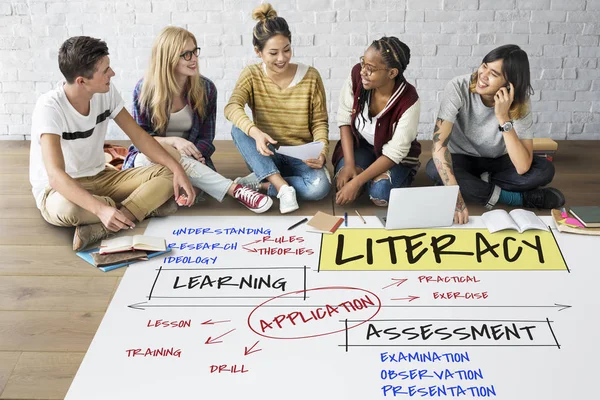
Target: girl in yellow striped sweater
288, 108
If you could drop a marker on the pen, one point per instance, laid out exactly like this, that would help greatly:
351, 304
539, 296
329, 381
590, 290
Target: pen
360, 216
298, 223
345, 219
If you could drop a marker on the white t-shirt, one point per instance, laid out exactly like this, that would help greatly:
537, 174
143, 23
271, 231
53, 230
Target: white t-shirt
82, 136
298, 76
367, 126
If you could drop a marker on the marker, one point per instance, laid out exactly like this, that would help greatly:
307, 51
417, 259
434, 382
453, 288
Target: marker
360, 216
345, 219
563, 212
297, 223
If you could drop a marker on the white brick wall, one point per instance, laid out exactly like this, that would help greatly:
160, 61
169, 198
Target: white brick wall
447, 38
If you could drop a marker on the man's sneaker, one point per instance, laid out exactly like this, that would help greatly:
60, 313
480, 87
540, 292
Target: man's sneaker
254, 201
287, 199
86, 235
250, 181
544, 198
169, 207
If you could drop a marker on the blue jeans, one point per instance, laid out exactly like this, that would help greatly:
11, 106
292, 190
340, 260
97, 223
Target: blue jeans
502, 175
310, 183
398, 176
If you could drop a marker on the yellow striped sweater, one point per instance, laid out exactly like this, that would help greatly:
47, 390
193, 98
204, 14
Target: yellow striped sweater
292, 116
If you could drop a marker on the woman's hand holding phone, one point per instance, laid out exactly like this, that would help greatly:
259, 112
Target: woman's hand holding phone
502, 101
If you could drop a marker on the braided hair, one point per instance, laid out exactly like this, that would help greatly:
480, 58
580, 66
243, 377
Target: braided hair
395, 54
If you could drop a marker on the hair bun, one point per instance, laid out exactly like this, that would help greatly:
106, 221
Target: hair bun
264, 12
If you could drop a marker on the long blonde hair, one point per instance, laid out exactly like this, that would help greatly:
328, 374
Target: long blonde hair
160, 86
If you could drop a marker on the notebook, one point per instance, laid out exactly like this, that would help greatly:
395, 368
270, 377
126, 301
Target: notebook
589, 216
420, 207
135, 242
86, 255
323, 223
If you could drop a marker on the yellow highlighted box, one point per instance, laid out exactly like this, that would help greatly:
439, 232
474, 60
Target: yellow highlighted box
439, 249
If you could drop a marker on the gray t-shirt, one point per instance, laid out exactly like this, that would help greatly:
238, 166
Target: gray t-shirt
475, 130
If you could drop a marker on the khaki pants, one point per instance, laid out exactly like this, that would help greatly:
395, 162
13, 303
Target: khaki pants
140, 190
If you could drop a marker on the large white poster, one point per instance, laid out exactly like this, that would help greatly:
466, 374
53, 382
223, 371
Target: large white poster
243, 308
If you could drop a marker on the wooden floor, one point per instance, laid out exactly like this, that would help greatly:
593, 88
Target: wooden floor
51, 302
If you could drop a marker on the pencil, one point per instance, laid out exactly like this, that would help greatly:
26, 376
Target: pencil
360, 216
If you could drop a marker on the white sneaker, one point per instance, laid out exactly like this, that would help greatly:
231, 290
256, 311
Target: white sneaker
287, 199
249, 181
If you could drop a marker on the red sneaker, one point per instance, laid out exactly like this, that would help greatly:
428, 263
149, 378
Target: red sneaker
253, 200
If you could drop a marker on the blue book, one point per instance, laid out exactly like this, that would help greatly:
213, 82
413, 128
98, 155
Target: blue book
87, 256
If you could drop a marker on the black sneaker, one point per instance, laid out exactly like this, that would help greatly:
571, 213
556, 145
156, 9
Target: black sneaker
545, 198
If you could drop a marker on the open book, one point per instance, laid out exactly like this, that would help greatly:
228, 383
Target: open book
518, 219
136, 242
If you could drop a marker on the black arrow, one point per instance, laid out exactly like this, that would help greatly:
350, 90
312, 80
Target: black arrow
144, 304
556, 305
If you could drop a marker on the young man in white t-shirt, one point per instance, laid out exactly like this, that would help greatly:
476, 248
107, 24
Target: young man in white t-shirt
67, 166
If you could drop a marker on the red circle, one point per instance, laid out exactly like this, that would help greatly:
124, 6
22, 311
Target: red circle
308, 290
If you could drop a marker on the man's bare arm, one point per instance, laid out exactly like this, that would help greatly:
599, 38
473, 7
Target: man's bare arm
60, 181
54, 162
442, 159
441, 155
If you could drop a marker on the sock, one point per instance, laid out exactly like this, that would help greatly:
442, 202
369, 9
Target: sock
510, 198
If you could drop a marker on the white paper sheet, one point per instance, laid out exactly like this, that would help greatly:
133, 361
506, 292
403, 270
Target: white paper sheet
303, 151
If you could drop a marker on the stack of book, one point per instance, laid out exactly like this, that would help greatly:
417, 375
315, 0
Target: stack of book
125, 250
545, 147
584, 220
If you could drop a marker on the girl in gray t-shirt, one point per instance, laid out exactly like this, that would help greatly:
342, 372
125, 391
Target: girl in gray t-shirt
483, 137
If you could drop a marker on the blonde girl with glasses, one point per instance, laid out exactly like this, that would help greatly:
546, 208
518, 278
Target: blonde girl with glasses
378, 115
177, 106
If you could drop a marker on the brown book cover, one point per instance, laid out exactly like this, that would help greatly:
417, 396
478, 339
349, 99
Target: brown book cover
324, 223
103, 260
544, 144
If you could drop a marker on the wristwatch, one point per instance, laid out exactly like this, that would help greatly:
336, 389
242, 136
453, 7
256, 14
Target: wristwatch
506, 127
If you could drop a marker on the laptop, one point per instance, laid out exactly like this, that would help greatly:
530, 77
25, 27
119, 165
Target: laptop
420, 207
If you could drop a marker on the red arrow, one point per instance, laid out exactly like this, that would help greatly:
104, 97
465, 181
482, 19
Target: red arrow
251, 243
397, 283
409, 298
249, 350
211, 322
210, 340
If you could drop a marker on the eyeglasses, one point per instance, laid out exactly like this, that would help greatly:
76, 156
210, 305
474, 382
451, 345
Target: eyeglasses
367, 68
187, 55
